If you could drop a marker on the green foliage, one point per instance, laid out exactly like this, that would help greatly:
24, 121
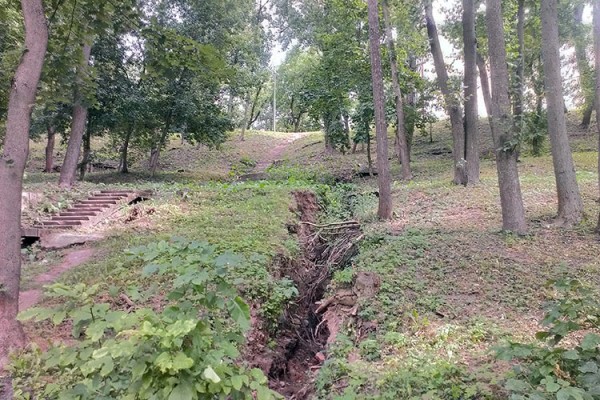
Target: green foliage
343, 202
546, 370
535, 131
419, 376
184, 350
11, 42
273, 295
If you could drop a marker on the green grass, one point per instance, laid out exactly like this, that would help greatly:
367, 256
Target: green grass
452, 286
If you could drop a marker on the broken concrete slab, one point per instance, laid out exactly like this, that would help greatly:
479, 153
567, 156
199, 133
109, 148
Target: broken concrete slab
30, 200
61, 240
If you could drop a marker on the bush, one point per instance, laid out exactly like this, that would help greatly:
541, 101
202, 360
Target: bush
186, 350
546, 370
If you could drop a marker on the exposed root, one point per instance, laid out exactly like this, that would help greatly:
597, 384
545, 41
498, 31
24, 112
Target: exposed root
304, 331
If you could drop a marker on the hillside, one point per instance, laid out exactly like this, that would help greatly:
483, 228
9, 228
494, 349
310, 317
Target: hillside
344, 306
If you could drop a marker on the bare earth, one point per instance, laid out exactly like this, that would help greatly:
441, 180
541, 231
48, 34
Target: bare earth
74, 258
276, 152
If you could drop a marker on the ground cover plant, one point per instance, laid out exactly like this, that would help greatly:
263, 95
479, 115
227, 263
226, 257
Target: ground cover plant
453, 288
299, 199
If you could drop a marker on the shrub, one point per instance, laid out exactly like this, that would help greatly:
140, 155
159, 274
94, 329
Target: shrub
185, 350
546, 370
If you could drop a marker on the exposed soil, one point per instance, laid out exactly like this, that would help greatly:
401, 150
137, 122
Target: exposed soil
276, 152
303, 332
73, 258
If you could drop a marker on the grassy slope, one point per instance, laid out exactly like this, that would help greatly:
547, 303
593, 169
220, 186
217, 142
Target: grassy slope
452, 285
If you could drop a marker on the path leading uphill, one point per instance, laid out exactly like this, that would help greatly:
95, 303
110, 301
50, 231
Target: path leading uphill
277, 152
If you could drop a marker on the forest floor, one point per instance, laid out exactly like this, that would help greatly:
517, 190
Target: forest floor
446, 286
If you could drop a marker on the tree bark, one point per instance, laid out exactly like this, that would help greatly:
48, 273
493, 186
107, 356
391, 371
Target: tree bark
78, 122
87, 152
570, 206
453, 107
155, 151
401, 141
369, 157
586, 74
586, 118
50, 148
411, 100
470, 93
485, 84
511, 201
12, 167
253, 117
517, 94
125, 150
245, 121
383, 169
596, 29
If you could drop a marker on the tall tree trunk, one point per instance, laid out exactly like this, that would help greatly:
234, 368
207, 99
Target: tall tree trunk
586, 74
470, 93
346, 122
485, 84
383, 169
586, 118
297, 121
411, 100
517, 95
253, 117
596, 24
570, 206
511, 201
155, 151
329, 119
125, 150
453, 107
401, 141
245, 121
87, 152
50, 148
369, 157
78, 122
12, 167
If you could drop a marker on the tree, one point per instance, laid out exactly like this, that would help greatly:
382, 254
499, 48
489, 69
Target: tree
15, 149
452, 104
470, 93
518, 81
401, 142
485, 83
293, 89
570, 206
597, 90
511, 201
78, 121
383, 171
586, 74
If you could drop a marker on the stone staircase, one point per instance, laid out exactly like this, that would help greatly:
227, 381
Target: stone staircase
86, 212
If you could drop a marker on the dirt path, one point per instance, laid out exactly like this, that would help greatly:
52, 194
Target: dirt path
73, 259
277, 151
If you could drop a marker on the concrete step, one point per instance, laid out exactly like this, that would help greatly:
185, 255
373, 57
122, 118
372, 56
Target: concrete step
87, 211
116, 194
88, 207
79, 213
53, 227
105, 198
98, 202
69, 218
61, 223
126, 192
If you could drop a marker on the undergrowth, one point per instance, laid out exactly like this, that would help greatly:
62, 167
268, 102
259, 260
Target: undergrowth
185, 348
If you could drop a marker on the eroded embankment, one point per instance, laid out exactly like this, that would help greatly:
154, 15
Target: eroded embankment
292, 356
